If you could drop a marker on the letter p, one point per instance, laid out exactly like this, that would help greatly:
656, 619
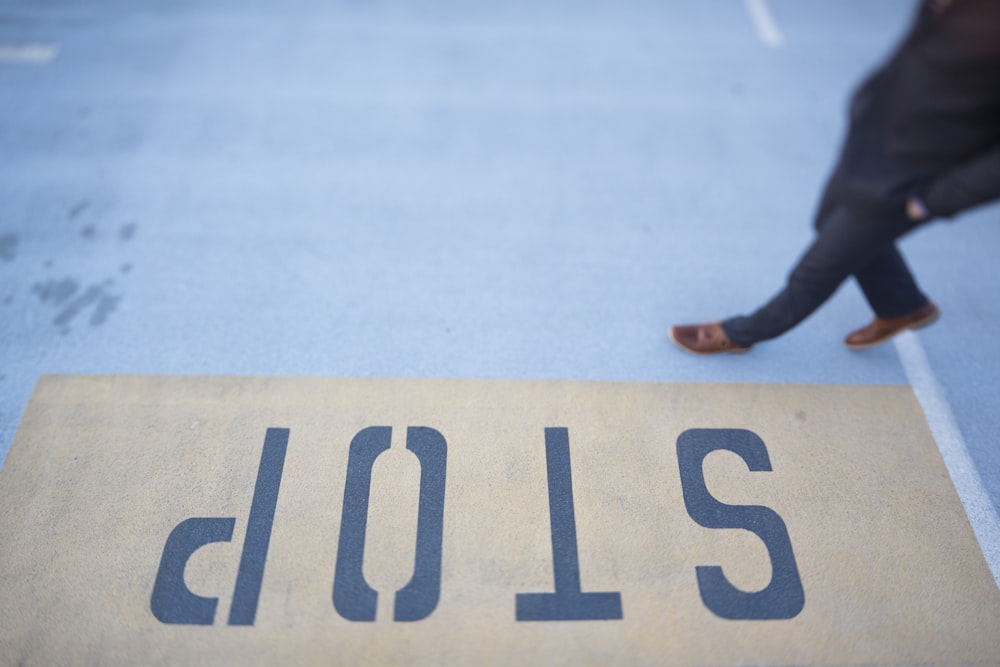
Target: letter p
172, 601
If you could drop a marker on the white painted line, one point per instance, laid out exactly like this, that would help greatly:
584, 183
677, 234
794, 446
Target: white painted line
764, 23
954, 451
28, 54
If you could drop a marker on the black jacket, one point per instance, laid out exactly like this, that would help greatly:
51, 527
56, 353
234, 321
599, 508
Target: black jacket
927, 123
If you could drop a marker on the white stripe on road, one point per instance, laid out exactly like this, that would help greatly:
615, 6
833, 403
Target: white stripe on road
954, 451
28, 54
764, 23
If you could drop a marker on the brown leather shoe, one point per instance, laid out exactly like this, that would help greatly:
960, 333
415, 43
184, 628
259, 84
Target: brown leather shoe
880, 330
704, 339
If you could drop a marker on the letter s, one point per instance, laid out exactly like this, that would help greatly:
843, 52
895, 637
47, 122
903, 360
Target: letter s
783, 597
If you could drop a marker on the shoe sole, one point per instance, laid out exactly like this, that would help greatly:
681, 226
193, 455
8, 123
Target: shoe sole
919, 324
732, 350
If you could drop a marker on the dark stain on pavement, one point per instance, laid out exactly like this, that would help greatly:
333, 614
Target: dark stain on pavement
66, 295
127, 232
8, 247
78, 208
75, 299
56, 291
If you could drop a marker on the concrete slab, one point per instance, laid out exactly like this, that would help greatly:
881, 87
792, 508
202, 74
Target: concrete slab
518, 190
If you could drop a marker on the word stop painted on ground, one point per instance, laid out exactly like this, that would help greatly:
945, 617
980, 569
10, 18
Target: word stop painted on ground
264, 520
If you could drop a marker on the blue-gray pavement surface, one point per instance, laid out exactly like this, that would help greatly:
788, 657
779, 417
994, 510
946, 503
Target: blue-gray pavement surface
527, 189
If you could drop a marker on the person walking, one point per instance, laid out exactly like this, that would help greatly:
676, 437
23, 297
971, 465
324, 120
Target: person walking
923, 143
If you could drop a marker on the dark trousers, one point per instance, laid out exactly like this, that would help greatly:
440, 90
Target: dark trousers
848, 242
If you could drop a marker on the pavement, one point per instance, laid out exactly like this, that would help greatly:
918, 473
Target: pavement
517, 190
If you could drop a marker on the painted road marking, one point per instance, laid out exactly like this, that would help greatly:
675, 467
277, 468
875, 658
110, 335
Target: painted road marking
764, 23
192, 520
28, 54
955, 452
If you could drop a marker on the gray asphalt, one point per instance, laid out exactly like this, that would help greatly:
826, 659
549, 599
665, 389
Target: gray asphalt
447, 189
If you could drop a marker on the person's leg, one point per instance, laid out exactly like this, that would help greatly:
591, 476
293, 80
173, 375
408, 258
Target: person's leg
889, 286
847, 243
886, 282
